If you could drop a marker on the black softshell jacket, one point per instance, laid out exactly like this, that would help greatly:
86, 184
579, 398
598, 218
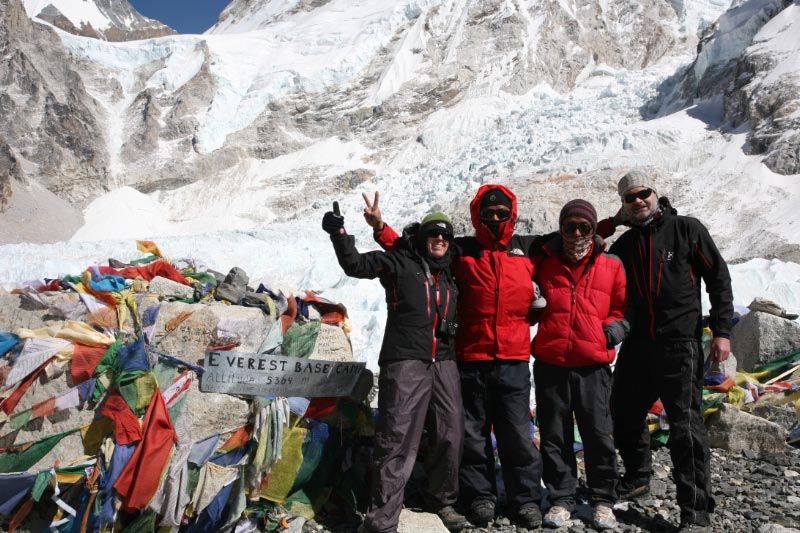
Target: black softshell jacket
664, 262
416, 300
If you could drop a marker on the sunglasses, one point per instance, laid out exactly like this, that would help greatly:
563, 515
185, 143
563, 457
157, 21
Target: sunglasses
492, 214
584, 227
644, 194
434, 233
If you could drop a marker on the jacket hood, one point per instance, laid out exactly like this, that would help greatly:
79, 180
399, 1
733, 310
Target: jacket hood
484, 235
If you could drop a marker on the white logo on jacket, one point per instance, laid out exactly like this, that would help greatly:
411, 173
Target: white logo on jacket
515, 251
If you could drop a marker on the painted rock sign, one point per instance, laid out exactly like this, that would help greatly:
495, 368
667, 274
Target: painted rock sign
256, 374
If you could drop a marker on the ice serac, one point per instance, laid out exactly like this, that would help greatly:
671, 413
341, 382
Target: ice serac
109, 20
766, 92
749, 59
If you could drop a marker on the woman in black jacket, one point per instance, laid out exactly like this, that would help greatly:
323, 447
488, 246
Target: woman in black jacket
418, 382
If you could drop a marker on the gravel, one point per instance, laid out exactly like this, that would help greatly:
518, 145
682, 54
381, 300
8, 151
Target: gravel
752, 493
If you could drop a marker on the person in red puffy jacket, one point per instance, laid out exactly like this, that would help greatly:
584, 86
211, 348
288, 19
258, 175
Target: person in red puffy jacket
573, 348
493, 271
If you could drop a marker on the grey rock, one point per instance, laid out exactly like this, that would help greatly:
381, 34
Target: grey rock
735, 430
775, 528
169, 288
783, 415
415, 522
658, 488
16, 312
760, 337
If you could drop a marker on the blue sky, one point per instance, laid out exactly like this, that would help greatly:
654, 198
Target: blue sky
185, 16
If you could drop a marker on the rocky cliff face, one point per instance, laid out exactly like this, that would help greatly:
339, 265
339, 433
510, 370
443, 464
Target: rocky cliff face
120, 22
51, 127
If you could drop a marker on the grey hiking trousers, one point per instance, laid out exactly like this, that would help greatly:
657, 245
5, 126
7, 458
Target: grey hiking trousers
414, 395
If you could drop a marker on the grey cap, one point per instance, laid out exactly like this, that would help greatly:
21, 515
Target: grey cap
635, 178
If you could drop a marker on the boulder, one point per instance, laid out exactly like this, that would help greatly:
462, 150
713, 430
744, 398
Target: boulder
735, 430
775, 528
760, 337
17, 311
413, 522
205, 413
170, 289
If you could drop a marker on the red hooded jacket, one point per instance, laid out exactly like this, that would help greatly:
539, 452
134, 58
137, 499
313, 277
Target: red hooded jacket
494, 276
572, 326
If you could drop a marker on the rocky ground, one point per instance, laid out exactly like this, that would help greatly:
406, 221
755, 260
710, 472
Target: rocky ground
753, 494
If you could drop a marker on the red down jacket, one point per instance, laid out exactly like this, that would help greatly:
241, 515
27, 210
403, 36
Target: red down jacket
572, 326
494, 278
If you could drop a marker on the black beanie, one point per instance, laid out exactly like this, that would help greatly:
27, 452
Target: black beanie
495, 197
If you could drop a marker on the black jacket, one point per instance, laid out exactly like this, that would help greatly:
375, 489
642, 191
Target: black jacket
664, 262
417, 300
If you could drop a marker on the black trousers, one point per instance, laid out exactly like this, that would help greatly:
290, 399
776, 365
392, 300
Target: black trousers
584, 391
496, 395
413, 395
673, 371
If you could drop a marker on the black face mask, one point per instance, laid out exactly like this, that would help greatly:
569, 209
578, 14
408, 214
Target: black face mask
494, 226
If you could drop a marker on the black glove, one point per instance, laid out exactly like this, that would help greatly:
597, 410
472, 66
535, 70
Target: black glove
333, 221
616, 332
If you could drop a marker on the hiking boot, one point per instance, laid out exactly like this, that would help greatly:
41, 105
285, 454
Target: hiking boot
528, 517
481, 512
630, 490
452, 520
603, 517
539, 301
556, 517
692, 528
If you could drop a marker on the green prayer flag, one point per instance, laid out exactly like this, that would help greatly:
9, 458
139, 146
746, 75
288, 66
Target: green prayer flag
300, 339
145, 522
21, 419
777, 364
21, 461
41, 483
144, 260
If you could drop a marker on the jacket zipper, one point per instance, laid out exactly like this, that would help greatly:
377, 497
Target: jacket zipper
435, 323
493, 262
660, 270
650, 291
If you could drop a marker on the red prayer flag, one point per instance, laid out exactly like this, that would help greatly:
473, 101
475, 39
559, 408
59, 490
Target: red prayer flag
138, 482
12, 401
238, 439
45, 408
126, 424
147, 272
84, 360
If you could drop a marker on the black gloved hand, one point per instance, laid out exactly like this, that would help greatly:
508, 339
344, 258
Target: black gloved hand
616, 332
333, 221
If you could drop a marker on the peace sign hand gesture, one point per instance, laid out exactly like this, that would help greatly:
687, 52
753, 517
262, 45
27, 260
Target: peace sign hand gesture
372, 213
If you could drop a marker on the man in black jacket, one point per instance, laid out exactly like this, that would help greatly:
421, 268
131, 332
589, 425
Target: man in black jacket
419, 384
665, 257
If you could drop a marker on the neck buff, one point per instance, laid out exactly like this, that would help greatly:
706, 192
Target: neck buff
575, 248
642, 223
438, 264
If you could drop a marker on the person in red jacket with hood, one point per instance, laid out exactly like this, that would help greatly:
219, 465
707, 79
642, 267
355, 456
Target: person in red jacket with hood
493, 271
573, 348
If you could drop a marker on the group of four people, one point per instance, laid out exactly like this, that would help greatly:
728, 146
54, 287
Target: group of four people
456, 351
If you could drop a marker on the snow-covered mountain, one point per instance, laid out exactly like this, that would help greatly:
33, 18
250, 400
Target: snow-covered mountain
111, 20
230, 145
